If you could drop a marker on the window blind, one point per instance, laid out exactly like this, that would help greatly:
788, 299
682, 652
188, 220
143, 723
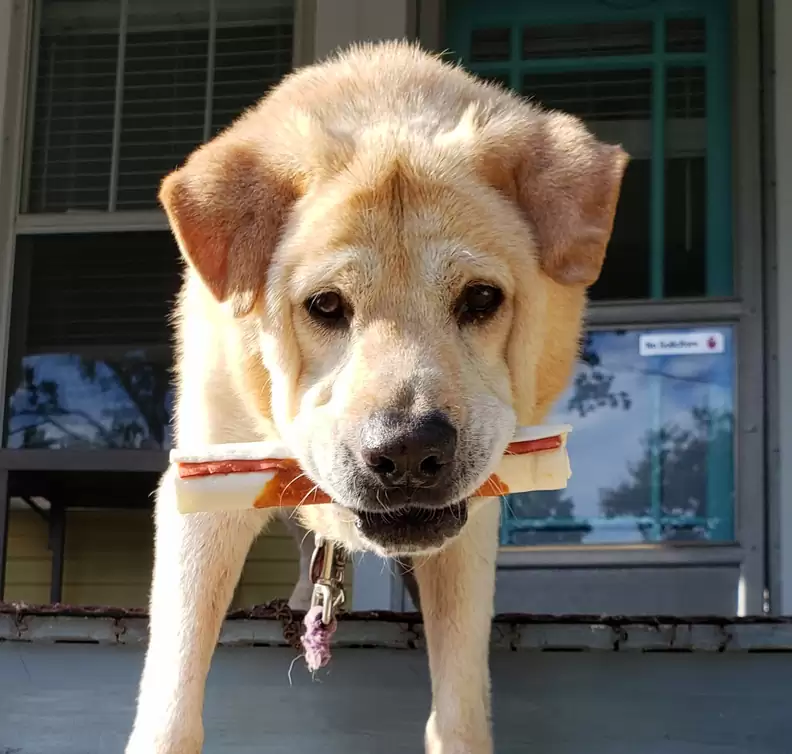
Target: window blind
125, 89
100, 290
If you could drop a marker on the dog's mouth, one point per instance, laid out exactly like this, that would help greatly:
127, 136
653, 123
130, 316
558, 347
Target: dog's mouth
413, 528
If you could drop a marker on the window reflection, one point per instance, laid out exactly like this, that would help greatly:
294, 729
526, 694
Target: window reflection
67, 400
651, 449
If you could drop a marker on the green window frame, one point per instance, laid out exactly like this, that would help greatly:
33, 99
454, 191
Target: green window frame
465, 17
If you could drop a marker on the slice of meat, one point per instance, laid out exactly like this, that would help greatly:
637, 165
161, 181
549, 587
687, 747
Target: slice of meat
493, 487
237, 466
290, 488
534, 446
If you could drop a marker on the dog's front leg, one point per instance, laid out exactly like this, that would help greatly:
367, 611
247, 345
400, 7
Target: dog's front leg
457, 588
198, 561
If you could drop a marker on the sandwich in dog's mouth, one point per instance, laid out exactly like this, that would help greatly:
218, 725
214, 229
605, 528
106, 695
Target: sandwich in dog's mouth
412, 528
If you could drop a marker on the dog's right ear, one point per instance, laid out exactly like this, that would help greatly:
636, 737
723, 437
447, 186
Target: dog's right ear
227, 206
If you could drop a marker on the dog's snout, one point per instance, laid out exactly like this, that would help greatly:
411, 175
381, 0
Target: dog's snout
407, 451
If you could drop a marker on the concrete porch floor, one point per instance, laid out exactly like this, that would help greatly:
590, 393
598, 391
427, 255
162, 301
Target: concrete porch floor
79, 699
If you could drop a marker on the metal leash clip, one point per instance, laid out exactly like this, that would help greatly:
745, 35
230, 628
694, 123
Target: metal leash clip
328, 563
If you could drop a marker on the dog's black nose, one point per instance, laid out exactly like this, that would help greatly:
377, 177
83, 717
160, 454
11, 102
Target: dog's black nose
409, 451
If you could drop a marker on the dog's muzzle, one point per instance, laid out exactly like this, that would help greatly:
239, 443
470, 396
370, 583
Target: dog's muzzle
405, 466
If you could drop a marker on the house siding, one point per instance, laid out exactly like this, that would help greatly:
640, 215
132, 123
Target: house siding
109, 556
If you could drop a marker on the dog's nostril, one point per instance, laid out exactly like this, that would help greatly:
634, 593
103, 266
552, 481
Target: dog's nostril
381, 464
430, 466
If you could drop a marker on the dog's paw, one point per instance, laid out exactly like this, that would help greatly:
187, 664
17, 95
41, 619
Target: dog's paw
457, 746
461, 740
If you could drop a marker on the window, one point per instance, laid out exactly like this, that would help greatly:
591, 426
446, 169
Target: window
654, 79
93, 339
654, 76
125, 89
121, 92
664, 401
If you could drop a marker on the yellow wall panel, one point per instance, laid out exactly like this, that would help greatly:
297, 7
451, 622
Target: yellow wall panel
109, 555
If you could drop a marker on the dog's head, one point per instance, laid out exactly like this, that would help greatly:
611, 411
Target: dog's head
414, 292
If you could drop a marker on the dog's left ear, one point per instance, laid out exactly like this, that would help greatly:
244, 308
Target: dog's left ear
565, 182
227, 206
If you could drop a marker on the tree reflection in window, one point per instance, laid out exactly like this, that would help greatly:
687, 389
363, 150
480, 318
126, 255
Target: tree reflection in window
72, 401
593, 385
684, 456
669, 467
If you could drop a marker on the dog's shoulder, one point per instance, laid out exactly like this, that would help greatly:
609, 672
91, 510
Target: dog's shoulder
211, 363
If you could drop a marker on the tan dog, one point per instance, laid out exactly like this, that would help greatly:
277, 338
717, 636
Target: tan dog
387, 265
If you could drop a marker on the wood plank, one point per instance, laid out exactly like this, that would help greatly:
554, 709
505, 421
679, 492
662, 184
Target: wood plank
270, 572
564, 703
123, 595
34, 594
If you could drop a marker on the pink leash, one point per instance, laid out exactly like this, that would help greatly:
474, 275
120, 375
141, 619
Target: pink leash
327, 574
316, 639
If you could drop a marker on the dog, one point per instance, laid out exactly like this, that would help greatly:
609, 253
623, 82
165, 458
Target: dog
387, 262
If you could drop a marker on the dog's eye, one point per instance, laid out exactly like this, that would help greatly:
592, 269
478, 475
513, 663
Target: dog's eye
327, 306
478, 302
